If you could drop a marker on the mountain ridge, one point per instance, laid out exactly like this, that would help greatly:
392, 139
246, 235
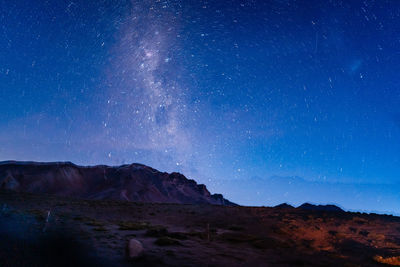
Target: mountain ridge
131, 182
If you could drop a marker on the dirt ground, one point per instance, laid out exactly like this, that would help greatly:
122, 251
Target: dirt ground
40, 230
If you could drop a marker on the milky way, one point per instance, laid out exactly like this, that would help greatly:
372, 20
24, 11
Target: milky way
146, 104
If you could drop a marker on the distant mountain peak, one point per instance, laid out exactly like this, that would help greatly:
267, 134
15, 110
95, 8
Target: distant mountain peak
284, 206
329, 207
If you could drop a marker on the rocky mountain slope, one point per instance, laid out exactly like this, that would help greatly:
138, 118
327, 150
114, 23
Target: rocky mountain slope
134, 182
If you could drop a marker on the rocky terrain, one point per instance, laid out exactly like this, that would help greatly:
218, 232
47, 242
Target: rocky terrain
61, 214
134, 182
44, 230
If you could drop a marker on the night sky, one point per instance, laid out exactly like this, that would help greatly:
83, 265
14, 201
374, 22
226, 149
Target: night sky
263, 101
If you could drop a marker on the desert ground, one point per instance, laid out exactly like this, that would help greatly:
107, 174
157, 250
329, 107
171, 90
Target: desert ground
44, 230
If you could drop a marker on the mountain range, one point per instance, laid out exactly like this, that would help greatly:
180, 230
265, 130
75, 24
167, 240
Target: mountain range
133, 182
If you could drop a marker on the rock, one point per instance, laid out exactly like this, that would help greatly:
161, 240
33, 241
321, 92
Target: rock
134, 249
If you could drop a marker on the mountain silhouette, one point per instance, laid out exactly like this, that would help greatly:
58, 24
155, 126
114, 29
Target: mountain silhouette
133, 182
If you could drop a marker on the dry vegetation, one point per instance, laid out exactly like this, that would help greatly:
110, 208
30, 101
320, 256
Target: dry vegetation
195, 235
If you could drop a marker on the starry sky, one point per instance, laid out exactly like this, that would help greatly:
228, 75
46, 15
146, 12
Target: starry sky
263, 101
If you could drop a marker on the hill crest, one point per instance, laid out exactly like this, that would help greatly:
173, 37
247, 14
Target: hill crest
131, 182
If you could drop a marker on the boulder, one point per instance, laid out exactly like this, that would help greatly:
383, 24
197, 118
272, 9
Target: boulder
134, 249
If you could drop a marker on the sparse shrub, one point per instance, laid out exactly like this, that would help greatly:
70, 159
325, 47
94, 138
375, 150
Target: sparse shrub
157, 231
178, 235
78, 218
277, 230
333, 232
201, 235
93, 222
307, 242
364, 233
237, 237
167, 241
236, 228
88, 221
213, 230
100, 229
359, 221
39, 214
267, 243
133, 226
353, 230
110, 236
170, 253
